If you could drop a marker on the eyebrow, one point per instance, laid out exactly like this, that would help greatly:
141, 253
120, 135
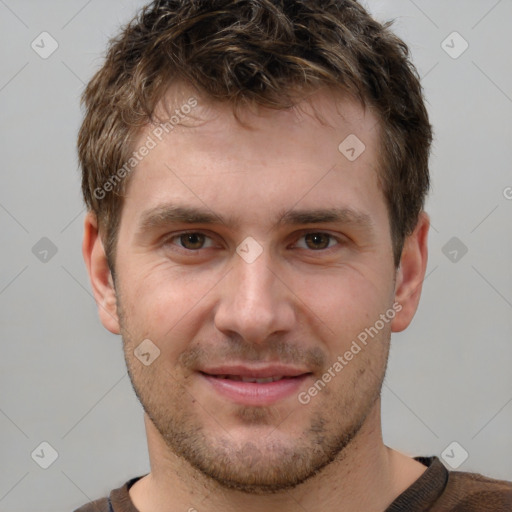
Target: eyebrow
167, 214
171, 214
326, 215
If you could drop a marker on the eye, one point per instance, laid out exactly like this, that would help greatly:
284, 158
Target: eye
191, 241
317, 241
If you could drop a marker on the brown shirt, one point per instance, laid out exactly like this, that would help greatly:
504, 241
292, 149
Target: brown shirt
436, 490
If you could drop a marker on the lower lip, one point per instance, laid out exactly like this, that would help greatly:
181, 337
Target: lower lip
254, 393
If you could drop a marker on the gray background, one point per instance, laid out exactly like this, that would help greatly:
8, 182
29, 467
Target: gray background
62, 376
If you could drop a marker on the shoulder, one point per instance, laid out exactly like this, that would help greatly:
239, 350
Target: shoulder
118, 501
470, 492
100, 505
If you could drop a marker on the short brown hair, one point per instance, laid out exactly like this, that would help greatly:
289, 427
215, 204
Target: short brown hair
262, 52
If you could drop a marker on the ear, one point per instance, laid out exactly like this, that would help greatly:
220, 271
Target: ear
411, 273
99, 274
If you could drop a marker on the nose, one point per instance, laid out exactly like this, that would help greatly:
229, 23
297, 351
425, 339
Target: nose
255, 303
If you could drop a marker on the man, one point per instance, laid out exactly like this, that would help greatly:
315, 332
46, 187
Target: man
255, 173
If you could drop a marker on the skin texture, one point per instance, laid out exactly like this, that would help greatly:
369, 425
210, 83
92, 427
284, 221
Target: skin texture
302, 301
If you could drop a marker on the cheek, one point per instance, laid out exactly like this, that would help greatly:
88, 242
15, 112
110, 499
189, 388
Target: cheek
346, 301
168, 304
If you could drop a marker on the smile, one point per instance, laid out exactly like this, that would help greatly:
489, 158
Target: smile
255, 390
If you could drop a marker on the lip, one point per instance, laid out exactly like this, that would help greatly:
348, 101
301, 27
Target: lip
255, 393
256, 372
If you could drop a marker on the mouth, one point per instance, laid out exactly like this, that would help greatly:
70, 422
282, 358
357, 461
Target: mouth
255, 385
240, 378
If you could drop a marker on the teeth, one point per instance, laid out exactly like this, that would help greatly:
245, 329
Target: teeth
251, 379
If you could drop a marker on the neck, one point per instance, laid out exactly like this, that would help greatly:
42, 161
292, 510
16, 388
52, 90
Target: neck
367, 476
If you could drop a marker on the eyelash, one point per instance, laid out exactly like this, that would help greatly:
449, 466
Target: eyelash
338, 241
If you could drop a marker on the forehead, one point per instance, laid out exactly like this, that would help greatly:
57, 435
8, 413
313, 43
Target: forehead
325, 109
324, 150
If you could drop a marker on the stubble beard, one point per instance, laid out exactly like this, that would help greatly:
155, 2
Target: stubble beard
258, 466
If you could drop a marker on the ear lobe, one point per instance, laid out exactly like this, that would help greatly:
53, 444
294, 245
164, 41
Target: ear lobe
99, 274
411, 273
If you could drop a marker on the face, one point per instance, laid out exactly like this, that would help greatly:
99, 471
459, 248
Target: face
253, 259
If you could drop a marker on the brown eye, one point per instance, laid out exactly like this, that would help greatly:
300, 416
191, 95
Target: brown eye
317, 240
192, 241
